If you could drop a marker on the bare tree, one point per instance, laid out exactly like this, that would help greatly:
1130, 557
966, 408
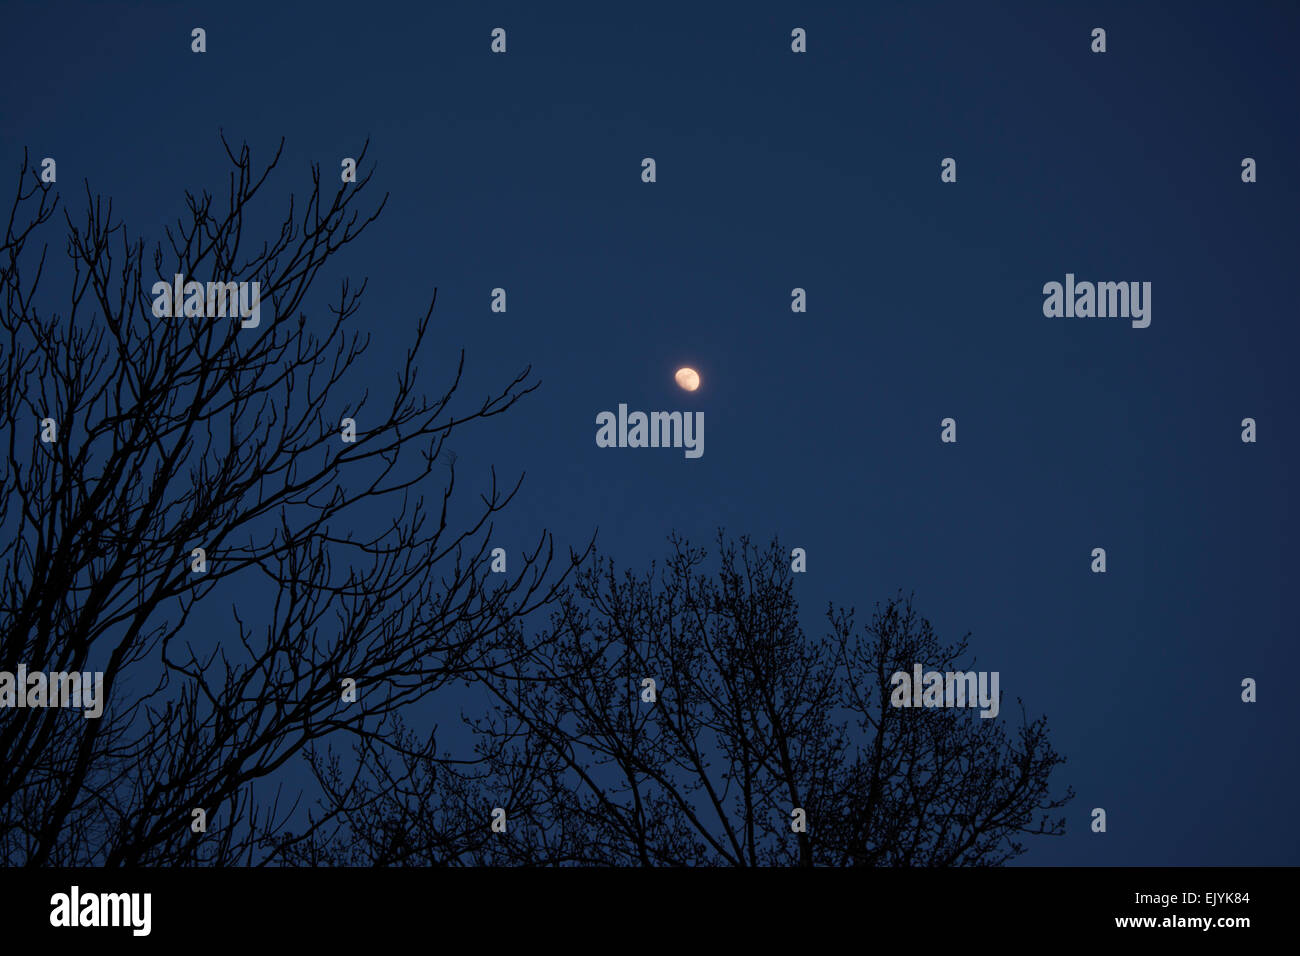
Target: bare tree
191, 432
751, 719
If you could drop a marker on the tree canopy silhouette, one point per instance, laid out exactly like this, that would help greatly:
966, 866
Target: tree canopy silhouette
189, 432
752, 718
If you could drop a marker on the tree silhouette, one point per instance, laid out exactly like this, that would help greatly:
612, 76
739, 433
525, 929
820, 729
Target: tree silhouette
752, 719
194, 432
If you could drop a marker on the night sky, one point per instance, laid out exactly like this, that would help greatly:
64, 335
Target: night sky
924, 301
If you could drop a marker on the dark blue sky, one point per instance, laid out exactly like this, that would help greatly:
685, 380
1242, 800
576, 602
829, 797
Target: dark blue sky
821, 171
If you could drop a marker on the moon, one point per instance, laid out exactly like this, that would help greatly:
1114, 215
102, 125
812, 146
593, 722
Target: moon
688, 379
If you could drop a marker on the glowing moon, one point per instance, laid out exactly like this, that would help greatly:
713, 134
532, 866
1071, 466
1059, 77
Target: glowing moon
688, 379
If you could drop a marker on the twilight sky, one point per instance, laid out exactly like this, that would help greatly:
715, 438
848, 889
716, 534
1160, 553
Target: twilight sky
924, 301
